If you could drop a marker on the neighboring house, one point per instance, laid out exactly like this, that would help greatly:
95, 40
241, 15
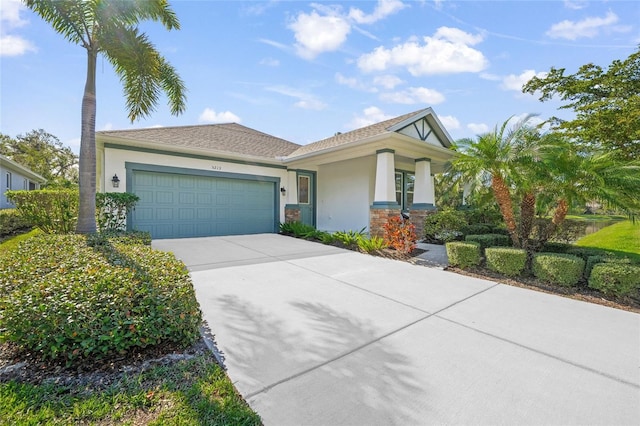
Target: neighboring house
16, 177
227, 179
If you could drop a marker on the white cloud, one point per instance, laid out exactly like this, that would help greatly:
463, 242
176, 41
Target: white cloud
305, 100
316, 33
210, 116
447, 51
370, 115
387, 81
10, 14
270, 62
414, 95
576, 4
490, 77
478, 128
449, 122
11, 44
15, 46
589, 27
383, 9
515, 82
107, 126
354, 83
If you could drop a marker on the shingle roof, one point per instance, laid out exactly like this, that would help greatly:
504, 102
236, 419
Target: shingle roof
233, 138
352, 136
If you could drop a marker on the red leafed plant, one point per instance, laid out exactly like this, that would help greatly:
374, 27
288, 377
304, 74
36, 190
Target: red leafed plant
400, 234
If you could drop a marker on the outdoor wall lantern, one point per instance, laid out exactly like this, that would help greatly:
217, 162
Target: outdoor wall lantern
283, 191
115, 181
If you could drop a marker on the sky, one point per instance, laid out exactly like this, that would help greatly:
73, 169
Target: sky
304, 70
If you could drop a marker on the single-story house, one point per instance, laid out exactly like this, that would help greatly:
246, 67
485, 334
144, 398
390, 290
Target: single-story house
16, 177
226, 179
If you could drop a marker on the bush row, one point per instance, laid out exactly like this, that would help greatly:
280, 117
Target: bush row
12, 223
610, 275
72, 297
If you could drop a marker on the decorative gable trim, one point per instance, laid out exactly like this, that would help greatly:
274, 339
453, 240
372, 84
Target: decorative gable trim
424, 124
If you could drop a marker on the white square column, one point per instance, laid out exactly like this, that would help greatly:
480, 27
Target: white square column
385, 190
424, 189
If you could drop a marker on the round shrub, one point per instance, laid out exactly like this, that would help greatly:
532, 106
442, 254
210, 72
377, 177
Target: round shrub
615, 278
585, 252
444, 225
489, 240
558, 268
463, 254
66, 300
476, 229
506, 260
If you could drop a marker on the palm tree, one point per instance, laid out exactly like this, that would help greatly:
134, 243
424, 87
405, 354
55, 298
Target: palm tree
492, 159
109, 27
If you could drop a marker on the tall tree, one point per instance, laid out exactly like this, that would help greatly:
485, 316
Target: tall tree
110, 28
492, 160
43, 153
606, 103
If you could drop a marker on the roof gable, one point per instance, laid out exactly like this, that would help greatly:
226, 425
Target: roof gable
8, 164
422, 124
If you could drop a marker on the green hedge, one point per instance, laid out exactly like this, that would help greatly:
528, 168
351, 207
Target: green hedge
463, 254
476, 229
555, 247
506, 260
489, 240
615, 278
12, 223
586, 252
557, 268
444, 225
69, 297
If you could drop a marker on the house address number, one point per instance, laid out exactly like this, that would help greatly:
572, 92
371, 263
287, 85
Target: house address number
216, 167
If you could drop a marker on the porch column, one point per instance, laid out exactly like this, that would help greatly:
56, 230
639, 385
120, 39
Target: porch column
385, 191
291, 208
424, 192
466, 191
384, 200
423, 195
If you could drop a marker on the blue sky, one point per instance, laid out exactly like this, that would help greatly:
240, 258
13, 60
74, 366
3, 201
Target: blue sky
306, 70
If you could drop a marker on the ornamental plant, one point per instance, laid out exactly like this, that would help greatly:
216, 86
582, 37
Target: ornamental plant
400, 234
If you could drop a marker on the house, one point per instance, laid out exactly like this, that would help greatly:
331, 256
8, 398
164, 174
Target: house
16, 177
228, 179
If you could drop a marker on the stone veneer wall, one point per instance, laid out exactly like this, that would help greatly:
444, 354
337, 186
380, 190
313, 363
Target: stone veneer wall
417, 218
378, 217
291, 214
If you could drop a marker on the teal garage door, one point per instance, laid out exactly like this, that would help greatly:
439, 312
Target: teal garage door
182, 206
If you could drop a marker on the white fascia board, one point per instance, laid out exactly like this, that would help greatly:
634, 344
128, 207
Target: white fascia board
21, 169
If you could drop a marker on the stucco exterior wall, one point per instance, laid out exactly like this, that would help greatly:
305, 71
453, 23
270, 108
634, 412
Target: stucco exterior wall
345, 193
17, 184
114, 160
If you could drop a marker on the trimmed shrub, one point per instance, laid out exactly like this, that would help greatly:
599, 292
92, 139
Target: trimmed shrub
585, 252
506, 260
594, 260
615, 278
463, 254
66, 300
489, 240
11, 223
400, 234
554, 247
53, 211
558, 268
444, 226
477, 229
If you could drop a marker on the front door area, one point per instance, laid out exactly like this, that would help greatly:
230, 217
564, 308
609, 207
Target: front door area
306, 197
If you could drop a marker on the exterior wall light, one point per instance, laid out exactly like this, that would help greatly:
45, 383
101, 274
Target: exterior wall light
283, 191
115, 181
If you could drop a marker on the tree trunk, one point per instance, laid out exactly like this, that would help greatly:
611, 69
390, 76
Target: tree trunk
87, 165
559, 215
503, 198
527, 212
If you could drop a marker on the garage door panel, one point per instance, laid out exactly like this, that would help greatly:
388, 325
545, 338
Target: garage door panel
179, 206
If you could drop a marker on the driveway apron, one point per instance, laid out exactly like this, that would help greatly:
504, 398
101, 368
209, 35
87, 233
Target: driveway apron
316, 335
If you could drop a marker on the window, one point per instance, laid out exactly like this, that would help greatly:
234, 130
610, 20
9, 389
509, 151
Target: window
303, 189
25, 184
405, 182
8, 181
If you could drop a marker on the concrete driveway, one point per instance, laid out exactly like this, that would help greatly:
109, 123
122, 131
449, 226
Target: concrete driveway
316, 335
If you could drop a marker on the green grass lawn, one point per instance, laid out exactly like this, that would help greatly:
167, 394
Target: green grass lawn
12, 242
622, 238
596, 217
191, 392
